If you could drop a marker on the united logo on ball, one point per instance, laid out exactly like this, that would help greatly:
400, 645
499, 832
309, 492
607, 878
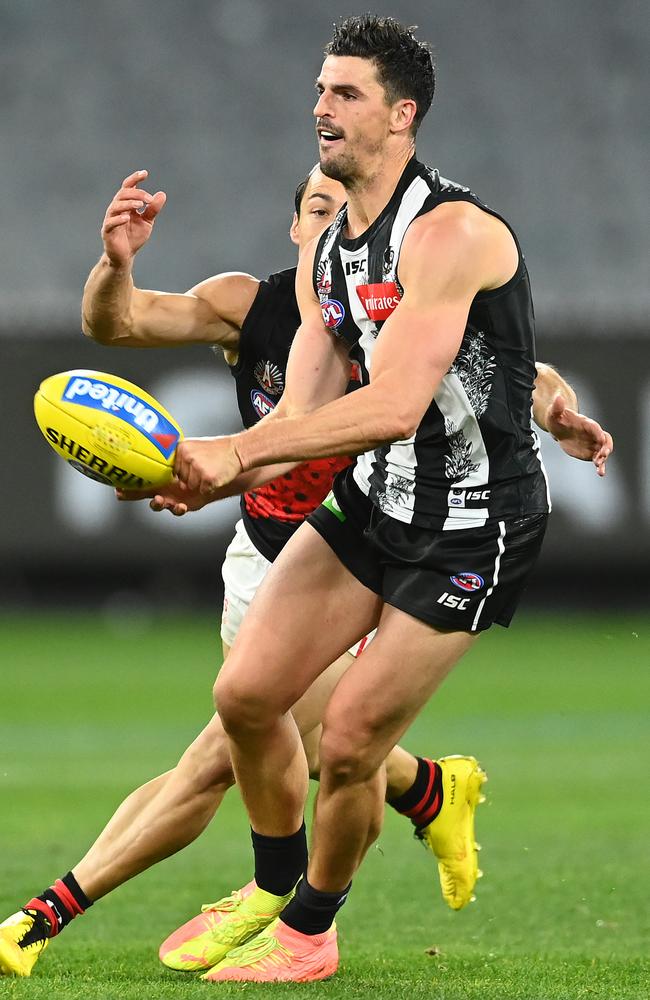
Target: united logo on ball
107, 428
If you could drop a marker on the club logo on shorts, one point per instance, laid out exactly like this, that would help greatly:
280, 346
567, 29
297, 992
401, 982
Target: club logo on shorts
333, 313
261, 403
468, 581
269, 377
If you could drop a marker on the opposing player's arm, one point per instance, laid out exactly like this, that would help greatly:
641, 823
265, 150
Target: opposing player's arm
549, 384
555, 409
114, 311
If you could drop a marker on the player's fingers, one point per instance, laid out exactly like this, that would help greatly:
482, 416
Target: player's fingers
187, 475
135, 178
558, 406
115, 222
600, 459
154, 206
129, 495
131, 194
118, 206
207, 487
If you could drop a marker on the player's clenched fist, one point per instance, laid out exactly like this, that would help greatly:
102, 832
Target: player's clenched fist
129, 219
205, 464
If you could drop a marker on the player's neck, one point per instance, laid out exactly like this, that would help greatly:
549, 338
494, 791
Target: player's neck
368, 198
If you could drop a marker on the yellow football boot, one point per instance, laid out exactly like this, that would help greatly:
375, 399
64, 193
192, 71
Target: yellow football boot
207, 938
450, 836
22, 939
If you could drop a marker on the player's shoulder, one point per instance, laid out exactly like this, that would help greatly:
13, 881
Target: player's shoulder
455, 228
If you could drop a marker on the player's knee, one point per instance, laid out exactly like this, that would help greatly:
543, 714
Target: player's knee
241, 709
344, 758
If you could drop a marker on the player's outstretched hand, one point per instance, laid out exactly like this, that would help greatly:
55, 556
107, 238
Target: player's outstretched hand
579, 436
172, 497
205, 464
129, 219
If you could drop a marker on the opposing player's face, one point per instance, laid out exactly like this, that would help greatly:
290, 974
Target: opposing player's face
353, 120
320, 203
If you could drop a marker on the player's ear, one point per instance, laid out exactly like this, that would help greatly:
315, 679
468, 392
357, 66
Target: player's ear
293, 232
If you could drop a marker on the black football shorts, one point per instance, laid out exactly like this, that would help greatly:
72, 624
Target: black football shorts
462, 581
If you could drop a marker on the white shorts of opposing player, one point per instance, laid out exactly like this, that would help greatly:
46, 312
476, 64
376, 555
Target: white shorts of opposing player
243, 570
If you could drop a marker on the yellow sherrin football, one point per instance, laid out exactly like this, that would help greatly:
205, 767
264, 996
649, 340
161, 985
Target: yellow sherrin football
107, 428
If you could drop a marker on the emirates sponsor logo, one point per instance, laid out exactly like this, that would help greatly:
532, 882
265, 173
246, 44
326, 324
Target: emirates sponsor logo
379, 301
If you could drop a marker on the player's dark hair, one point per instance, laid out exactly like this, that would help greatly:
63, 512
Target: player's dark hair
300, 193
404, 64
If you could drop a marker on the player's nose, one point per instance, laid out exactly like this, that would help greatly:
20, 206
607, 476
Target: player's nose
322, 107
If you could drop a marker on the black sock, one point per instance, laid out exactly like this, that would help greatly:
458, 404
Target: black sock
312, 911
423, 800
279, 861
60, 903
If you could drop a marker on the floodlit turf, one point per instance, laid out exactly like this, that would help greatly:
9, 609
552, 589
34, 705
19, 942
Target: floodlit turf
556, 709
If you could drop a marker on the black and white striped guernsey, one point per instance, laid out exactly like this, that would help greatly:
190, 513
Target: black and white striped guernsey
475, 456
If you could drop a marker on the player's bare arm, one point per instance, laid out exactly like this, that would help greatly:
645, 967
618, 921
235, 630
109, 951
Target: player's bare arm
555, 409
179, 500
318, 371
115, 311
446, 259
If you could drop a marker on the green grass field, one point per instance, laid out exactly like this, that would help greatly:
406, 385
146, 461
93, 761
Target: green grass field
556, 709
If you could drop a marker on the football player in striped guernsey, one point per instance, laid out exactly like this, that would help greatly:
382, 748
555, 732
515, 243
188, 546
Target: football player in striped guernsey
430, 536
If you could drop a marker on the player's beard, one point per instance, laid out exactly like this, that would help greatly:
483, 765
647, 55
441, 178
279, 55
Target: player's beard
347, 169
344, 169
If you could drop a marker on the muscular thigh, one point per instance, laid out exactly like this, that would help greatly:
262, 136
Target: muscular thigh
382, 692
307, 612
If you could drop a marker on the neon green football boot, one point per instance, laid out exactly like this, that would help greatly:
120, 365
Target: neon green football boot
207, 938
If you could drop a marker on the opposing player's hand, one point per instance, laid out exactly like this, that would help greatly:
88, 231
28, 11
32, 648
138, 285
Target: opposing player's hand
205, 464
130, 218
579, 436
173, 497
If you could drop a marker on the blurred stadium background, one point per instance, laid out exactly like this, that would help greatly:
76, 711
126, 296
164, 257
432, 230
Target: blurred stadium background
538, 107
